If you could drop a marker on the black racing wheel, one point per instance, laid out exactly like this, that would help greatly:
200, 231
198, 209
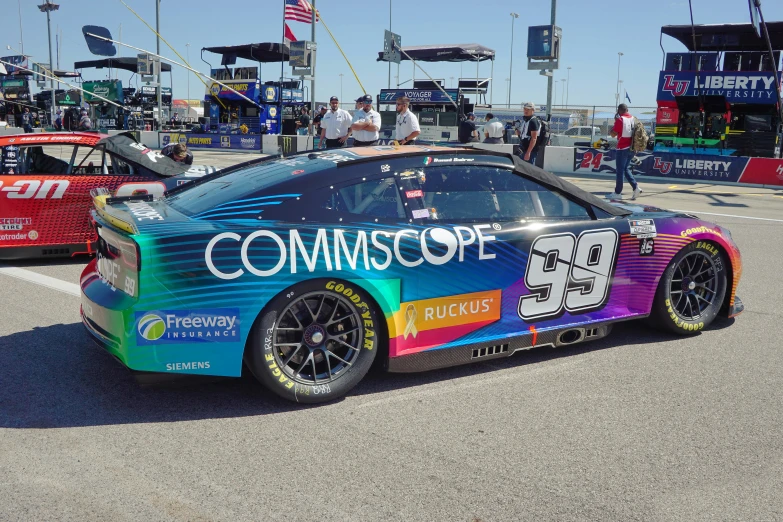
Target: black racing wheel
691, 290
315, 341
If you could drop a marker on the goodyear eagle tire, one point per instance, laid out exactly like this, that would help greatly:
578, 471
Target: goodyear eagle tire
691, 290
315, 341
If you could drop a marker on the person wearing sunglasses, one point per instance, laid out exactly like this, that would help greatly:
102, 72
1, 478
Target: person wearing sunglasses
366, 123
407, 128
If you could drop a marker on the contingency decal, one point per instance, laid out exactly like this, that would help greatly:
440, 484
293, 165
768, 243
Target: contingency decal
643, 228
566, 273
431, 322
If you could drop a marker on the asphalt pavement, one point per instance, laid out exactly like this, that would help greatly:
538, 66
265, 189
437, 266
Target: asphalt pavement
638, 426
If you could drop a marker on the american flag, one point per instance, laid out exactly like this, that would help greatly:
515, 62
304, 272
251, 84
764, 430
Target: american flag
299, 11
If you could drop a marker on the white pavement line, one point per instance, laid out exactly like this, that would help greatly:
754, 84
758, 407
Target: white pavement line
42, 280
726, 215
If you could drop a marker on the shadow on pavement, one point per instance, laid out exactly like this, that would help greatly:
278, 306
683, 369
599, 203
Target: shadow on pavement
56, 377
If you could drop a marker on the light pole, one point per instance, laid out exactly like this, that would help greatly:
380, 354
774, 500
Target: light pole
554, 92
341, 88
508, 86
619, 88
562, 92
48, 7
617, 94
160, 68
187, 103
514, 16
568, 84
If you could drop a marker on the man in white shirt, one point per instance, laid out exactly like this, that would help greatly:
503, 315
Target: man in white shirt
366, 123
407, 128
493, 130
335, 126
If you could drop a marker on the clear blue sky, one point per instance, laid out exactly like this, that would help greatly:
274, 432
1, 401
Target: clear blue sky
593, 34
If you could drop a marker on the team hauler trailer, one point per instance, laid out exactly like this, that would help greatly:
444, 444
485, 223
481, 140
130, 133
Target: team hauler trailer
142, 104
719, 97
439, 109
274, 105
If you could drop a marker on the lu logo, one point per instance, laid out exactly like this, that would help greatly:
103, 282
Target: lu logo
676, 87
664, 167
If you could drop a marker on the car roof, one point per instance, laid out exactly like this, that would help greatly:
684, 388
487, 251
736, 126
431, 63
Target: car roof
41, 138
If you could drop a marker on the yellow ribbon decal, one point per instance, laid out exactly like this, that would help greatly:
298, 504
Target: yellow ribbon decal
410, 317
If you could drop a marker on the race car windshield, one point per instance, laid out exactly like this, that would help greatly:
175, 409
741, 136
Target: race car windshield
236, 185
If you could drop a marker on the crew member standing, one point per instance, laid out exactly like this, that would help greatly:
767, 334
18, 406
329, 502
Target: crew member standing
366, 124
317, 120
335, 126
407, 128
467, 129
85, 123
27, 120
528, 133
303, 123
493, 130
623, 131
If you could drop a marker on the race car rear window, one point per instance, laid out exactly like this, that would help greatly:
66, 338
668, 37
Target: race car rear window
240, 184
464, 193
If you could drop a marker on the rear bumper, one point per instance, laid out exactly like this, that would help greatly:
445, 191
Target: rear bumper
103, 312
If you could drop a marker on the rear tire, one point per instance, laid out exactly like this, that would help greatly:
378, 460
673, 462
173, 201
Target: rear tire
691, 290
314, 341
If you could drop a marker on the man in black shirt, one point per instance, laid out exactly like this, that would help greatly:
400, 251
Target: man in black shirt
467, 129
317, 120
528, 134
303, 124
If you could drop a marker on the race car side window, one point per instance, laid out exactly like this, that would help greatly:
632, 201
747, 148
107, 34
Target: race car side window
477, 193
378, 198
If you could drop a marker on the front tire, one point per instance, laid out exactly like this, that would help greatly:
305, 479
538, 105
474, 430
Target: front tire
691, 290
314, 341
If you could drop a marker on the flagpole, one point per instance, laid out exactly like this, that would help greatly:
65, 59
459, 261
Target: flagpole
282, 64
312, 66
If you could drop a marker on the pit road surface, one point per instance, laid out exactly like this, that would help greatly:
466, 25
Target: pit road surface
638, 426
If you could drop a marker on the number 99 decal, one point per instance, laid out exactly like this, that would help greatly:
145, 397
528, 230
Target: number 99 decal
566, 272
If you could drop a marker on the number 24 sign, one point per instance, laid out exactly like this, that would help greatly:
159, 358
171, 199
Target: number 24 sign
564, 271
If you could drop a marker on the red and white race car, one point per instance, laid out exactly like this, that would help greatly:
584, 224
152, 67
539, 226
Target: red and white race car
45, 184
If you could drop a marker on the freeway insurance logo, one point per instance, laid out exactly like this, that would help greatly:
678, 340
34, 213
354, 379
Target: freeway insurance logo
152, 327
214, 325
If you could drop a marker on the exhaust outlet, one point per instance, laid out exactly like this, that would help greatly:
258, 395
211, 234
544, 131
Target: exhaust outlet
571, 336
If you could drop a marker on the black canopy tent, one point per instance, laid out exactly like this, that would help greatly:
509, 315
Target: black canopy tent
447, 53
469, 52
257, 52
725, 37
127, 64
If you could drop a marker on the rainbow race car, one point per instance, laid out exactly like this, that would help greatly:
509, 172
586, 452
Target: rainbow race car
307, 269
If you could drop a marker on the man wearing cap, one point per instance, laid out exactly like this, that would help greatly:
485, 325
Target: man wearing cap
85, 123
335, 126
317, 120
467, 129
528, 133
407, 128
178, 152
366, 123
493, 130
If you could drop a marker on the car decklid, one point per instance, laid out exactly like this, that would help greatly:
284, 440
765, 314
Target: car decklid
134, 214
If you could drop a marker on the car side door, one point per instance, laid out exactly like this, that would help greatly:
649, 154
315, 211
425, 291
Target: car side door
553, 258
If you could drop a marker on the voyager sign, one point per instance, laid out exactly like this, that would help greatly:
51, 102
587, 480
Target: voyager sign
737, 87
419, 95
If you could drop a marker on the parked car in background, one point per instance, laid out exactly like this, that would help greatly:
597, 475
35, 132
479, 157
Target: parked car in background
579, 136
